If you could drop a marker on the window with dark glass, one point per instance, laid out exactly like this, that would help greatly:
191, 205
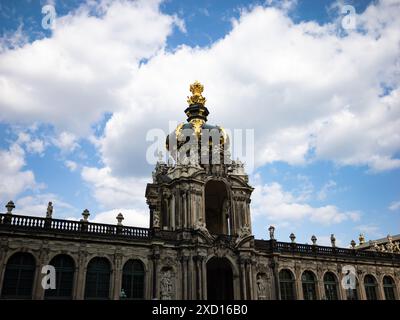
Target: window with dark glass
65, 268
98, 279
389, 288
370, 287
309, 285
19, 276
330, 286
133, 279
286, 283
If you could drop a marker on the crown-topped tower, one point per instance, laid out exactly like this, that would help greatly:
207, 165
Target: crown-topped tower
204, 143
203, 189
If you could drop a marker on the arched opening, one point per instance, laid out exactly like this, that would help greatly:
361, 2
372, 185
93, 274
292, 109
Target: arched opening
352, 294
309, 285
217, 208
219, 279
133, 279
65, 269
389, 288
19, 276
98, 279
286, 283
330, 285
370, 287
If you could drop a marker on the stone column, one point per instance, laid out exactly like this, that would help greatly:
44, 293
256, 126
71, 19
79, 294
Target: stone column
117, 277
204, 276
184, 211
299, 286
3, 262
75, 283
243, 278
155, 258
198, 295
342, 295
38, 290
254, 279
320, 289
80, 278
381, 292
248, 200
274, 265
184, 261
251, 280
192, 279
172, 213
361, 288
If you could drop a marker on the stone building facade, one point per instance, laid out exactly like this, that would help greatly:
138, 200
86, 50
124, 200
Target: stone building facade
199, 244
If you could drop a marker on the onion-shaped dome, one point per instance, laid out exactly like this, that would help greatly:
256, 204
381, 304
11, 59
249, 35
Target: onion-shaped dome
196, 129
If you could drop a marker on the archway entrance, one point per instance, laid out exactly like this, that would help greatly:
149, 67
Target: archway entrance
217, 219
219, 279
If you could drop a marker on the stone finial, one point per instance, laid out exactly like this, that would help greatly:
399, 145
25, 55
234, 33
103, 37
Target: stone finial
353, 244
10, 206
119, 218
361, 239
271, 230
292, 237
49, 212
314, 240
85, 215
333, 240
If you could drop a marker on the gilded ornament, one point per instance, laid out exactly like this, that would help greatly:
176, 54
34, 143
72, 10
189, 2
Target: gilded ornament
196, 89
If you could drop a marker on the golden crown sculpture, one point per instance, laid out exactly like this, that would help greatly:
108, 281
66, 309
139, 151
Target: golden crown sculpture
196, 89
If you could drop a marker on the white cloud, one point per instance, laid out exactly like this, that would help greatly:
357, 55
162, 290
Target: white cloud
316, 96
394, 206
271, 201
132, 217
308, 93
326, 188
32, 145
111, 192
70, 79
71, 165
36, 146
370, 231
13, 178
66, 141
36, 205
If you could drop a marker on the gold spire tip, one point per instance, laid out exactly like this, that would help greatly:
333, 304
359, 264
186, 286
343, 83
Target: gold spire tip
196, 88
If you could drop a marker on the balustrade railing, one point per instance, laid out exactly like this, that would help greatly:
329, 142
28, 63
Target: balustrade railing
69, 226
272, 246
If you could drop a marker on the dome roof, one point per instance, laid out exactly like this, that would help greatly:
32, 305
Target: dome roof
196, 126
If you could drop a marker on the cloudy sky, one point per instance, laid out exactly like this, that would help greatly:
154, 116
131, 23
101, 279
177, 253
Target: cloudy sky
321, 94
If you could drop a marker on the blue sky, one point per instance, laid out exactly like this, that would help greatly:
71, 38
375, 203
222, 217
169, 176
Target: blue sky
324, 102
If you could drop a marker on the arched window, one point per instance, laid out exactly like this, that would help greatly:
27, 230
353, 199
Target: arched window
19, 276
98, 279
330, 285
65, 268
389, 288
133, 279
352, 294
309, 285
370, 287
286, 283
